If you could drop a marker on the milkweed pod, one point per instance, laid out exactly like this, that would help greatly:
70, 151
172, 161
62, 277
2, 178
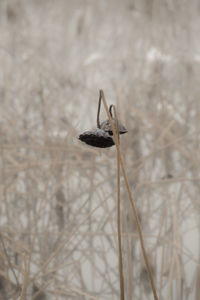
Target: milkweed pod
97, 138
106, 126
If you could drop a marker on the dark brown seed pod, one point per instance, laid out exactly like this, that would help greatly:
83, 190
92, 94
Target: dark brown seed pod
97, 138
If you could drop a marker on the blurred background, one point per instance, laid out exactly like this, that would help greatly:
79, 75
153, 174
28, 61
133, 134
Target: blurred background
58, 196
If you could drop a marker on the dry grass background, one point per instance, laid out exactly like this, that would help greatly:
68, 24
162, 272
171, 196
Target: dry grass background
58, 196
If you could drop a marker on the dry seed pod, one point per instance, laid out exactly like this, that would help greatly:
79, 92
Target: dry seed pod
101, 137
106, 126
97, 138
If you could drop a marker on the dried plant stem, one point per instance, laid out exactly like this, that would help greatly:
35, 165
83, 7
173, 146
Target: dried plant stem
24, 286
8, 260
98, 111
130, 198
118, 215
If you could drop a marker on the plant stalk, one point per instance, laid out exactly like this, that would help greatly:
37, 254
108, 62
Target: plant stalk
130, 198
118, 213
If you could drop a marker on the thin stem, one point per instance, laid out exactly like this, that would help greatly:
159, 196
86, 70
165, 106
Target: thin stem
118, 210
110, 111
8, 259
131, 199
24, 286
98, 111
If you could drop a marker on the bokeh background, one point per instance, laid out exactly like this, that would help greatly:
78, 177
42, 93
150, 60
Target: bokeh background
58, 196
